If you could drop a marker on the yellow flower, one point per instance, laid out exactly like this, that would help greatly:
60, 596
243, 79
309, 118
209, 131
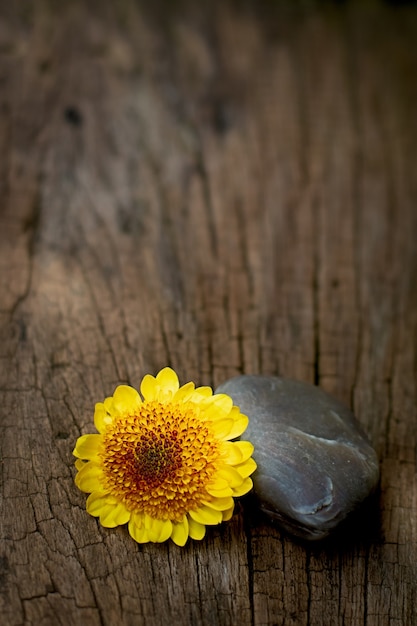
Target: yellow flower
164, 464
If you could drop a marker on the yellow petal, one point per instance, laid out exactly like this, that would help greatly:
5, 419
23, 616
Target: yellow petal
184, 393
139, 533
148, 388
230, 474
195, 529
160, 530
146, 521
240, 423
89, 478
79, 463
121, 515
107, 518
245, 448
102, 416
219, 487
95, 502
165, 531
108, 405
138, 519
111, 512
87, 447
206, 515
247, 468
223, 492
167, 384
187, 393
231, 453
228, 513
202, 393
218, 406
218, 482
221, 428
219, 504
244, 488
126, 400
179, 534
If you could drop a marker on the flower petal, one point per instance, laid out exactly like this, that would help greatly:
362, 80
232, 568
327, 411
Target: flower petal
206, 515
231, 453
165, 531
89, 478
160, 530
184, 393
79, 463
95, 502
228, 514
148, 388
138, 532
138, 519
240, 423
126, 400
246, 449
201, 394
230, 474
244, 488
219, 487
219, 504
167, 383
108, 405
247, 468
87, 447
195, 529
180, 531
218, 406
221, 428
218, 482
102, 415
107, 518
111, 512
221, 492
163, 387
121, 515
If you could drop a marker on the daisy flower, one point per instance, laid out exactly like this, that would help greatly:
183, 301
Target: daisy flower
164, 461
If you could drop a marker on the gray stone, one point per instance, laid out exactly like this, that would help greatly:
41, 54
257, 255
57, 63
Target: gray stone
315, 464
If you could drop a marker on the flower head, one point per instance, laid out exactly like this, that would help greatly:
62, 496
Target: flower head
164, 463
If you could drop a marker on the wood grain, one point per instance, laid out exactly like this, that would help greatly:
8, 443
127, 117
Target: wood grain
223, 188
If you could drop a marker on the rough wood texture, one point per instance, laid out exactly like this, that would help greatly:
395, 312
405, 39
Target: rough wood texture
225, 188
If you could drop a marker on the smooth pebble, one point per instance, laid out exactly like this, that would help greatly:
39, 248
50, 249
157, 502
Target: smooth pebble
315, 464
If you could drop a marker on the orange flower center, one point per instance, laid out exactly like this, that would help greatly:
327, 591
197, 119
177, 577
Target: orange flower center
161, 460
155, 457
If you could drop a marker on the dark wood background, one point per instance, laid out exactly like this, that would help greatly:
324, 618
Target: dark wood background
223, 188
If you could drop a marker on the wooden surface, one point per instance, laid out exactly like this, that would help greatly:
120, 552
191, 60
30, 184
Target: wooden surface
223, 188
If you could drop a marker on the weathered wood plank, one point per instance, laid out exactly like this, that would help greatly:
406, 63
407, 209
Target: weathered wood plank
222, 189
